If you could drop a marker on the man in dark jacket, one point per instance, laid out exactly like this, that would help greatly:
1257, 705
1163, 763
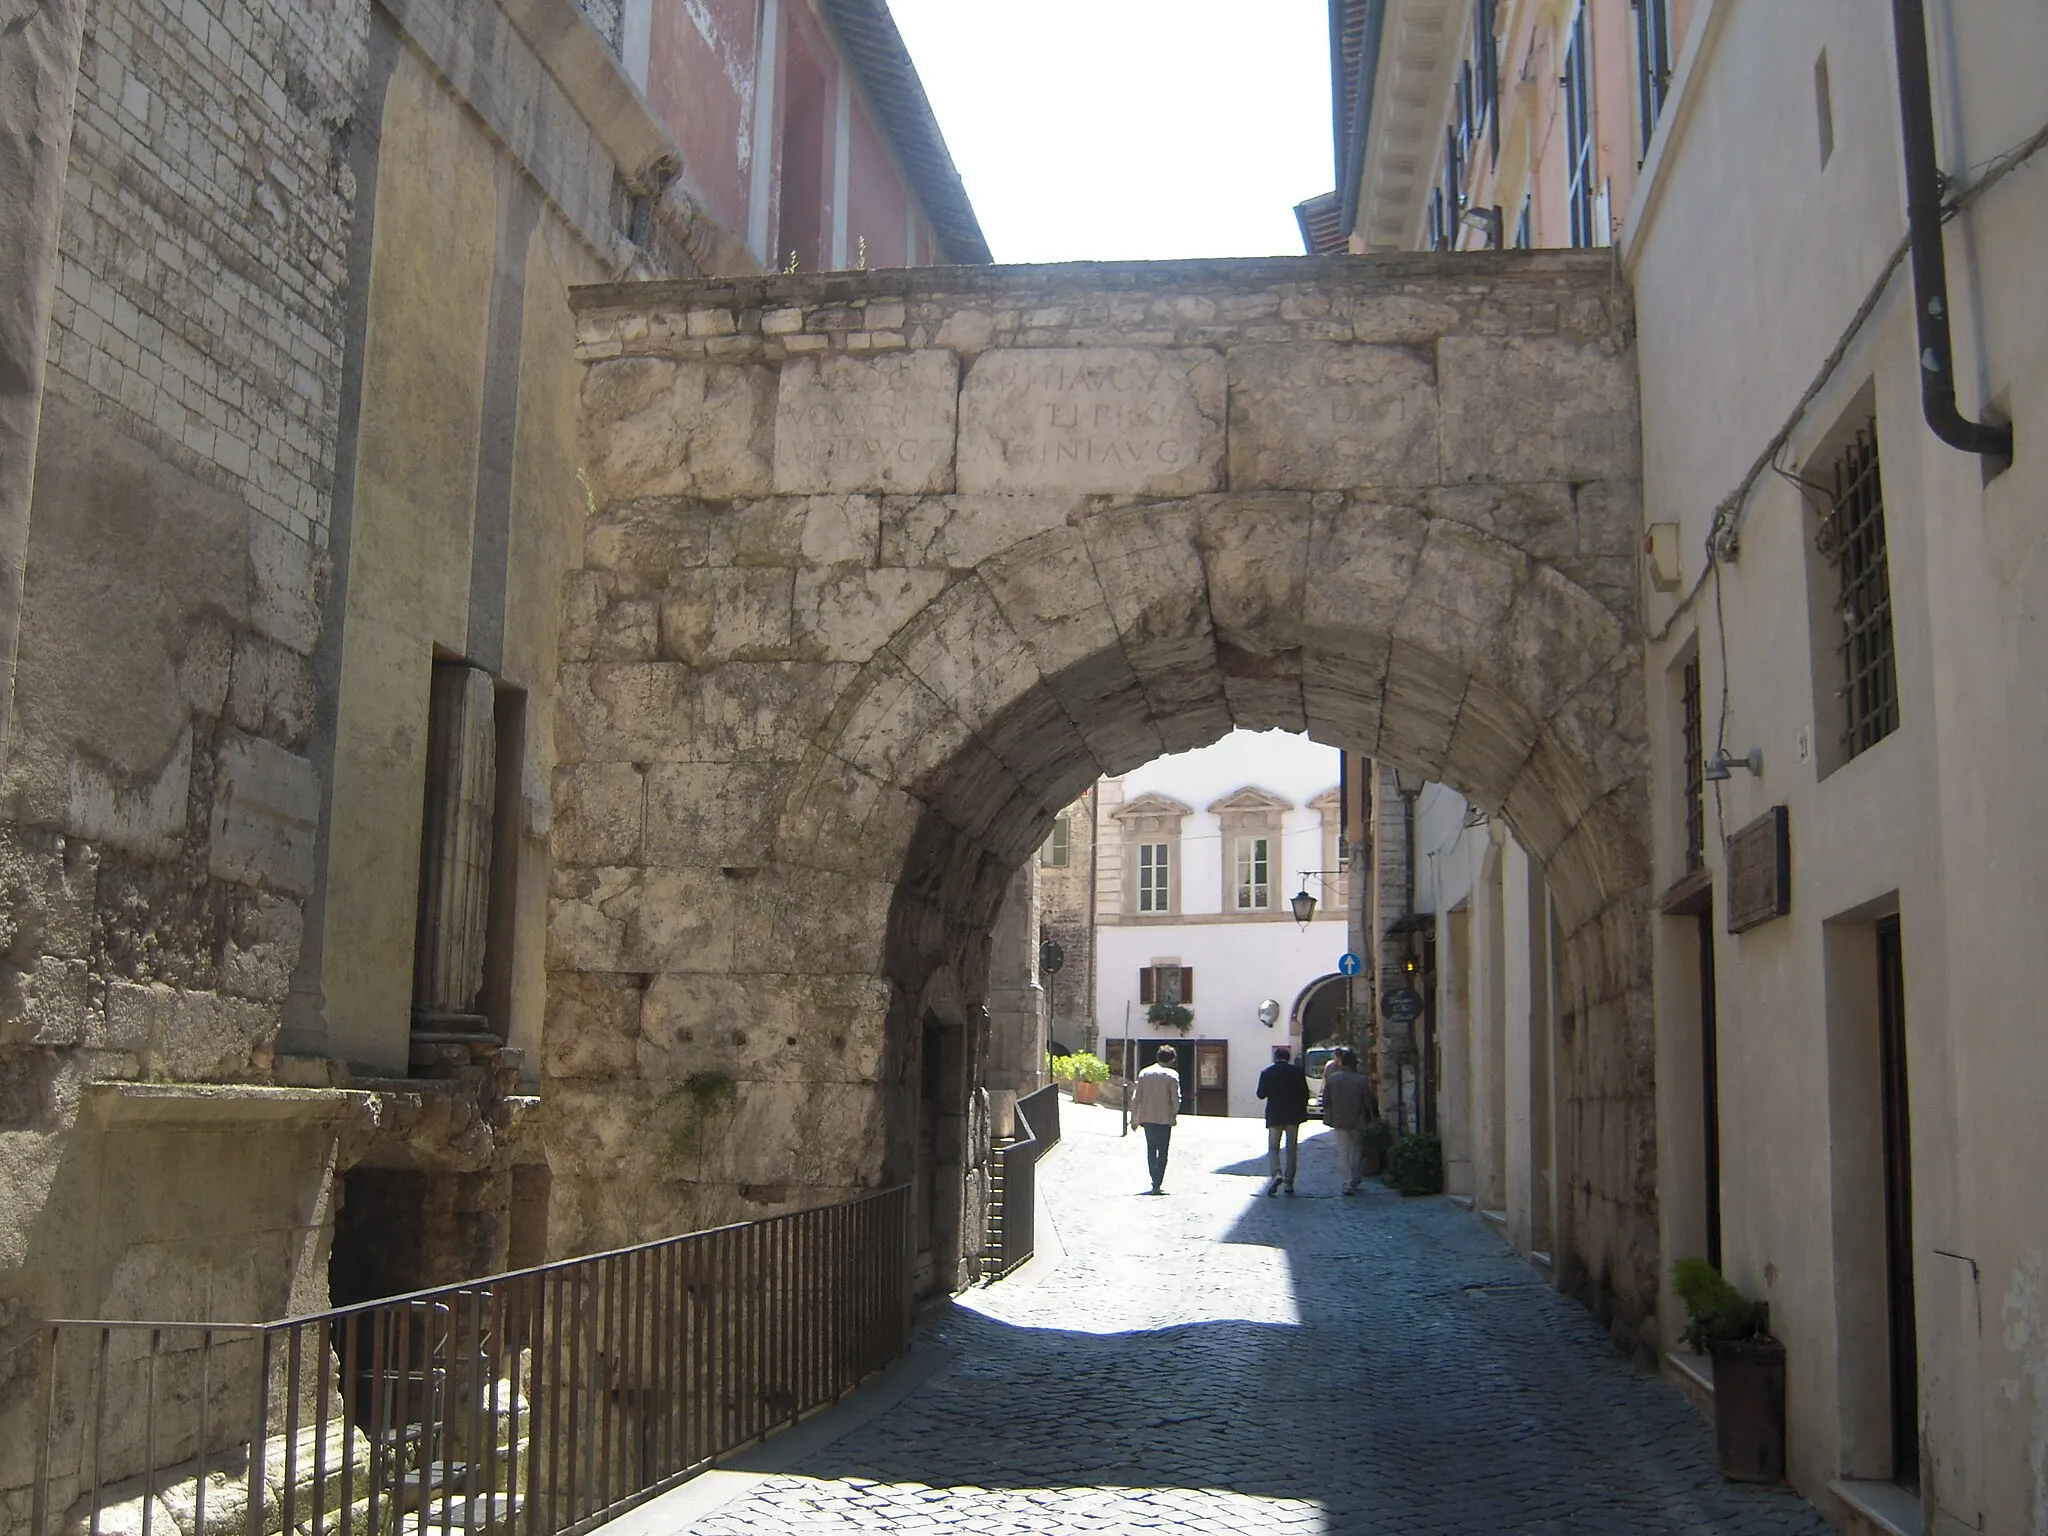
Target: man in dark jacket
1284, 1087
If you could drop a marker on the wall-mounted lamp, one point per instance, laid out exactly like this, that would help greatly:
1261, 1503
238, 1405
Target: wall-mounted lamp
1487, 221
1304, 905
1723, 763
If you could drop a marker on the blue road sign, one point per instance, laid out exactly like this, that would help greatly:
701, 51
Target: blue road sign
1349, 964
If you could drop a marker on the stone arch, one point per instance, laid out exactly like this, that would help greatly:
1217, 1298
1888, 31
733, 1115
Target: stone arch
853, 628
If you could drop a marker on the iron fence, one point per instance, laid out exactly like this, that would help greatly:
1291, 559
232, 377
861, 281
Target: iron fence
1041, 1112
1013, 1207
542, 1402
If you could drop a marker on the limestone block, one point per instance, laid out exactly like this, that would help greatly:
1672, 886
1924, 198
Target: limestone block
1554, 641
1461, 588
655, 427
50, 1008
600, 813
649, 537
1329, 416
963, 649
199, 1036
808, 921
288, 585
1096, 419
734, 613
1494, 735
963, 531
131, 1014
1522, 408
867, 423
266, 807
1045, 588
205, 666
623, 711
713, 813
47, 885
895, 728
763, 1026
623, 919
847, 612
146, 817
262, 951
839, 529
1402, 319
593, 1027
840, 818
762, 709
271, 691
1150, 571
1362, 555
1255, 557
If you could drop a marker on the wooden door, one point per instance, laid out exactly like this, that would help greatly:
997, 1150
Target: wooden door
1212, 1077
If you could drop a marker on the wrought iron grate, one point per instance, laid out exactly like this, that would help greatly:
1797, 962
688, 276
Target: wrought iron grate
1852, 540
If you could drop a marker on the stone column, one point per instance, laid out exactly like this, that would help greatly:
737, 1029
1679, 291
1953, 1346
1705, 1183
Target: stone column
1016, 1002
455, 850
39, 45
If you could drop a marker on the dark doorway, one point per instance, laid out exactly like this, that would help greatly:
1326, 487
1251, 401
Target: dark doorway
1903, 1336
1710, 1086
1212, 1077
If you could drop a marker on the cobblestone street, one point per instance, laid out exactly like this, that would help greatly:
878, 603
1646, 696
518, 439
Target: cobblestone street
1219, 1362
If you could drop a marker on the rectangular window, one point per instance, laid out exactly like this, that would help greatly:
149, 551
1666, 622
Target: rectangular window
1522, 233
1166, 984
1254, 884
1578, 133
1695, 769
1489, 73
1653, 62
1058, 848
1154, 867
1852, 540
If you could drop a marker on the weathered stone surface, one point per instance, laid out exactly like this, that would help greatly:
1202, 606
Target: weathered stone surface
1120, 419
265, 810
660, 428
1327, 416
1521, 408
866, 424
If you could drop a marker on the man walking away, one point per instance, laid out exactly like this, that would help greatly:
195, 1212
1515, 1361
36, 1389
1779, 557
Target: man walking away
1284, 1087
1347, 1106
1155, 1105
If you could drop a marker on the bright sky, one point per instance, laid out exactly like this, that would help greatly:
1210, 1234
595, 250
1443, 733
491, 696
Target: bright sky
1097, 130
1290, 766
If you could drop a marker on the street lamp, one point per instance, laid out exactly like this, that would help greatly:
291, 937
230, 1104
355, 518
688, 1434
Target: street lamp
1304, 905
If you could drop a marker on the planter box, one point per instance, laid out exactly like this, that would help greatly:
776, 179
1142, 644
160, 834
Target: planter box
1749, 1411
1086, 1093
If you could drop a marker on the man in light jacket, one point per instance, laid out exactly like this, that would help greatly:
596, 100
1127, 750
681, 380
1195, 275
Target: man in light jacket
1347, 1106
1155, 1105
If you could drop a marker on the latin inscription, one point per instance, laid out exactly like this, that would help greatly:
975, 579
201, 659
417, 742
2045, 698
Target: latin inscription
866, 424
1101, 419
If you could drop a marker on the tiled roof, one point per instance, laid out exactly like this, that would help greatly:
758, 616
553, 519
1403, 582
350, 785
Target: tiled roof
868, 38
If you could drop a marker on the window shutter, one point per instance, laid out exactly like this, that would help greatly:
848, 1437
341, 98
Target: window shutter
1145, 984
1187, 984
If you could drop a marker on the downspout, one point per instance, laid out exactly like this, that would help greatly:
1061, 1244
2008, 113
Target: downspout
1930, 263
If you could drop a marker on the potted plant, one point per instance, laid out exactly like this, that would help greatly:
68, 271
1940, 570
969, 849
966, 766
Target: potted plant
1415, 1164
1084, 1074
1171, 1016
1749, 1371
1378, 1136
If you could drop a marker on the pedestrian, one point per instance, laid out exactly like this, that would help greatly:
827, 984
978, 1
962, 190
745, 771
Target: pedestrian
1284, 1087
1347, 1106
1155, 1105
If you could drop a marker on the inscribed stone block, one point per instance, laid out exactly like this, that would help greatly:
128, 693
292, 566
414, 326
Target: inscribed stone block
866, 423
1093, 419
1328, 416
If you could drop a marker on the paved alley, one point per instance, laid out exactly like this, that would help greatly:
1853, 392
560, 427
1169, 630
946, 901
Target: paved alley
1215, 1361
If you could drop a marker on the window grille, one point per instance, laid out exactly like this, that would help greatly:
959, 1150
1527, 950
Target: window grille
1058, 848
1695, 769
1254, 886
1439, 231
1852, 540
1578, 129
1154, 865
1454, 184
1489, 73
1653, 62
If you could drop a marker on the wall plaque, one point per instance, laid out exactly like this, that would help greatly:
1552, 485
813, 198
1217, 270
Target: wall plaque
1760, 871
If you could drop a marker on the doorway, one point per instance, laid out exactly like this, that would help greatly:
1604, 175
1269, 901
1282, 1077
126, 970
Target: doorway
1902, 1334
1710, 1085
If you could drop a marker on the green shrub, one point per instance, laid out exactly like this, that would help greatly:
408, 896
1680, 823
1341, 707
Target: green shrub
1717, 1312
1081, 1067
1171, 1015
695, 1101
1379, 1136
1415, 1165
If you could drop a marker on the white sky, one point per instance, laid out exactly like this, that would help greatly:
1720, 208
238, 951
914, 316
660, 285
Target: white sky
1100, 130
1290, 766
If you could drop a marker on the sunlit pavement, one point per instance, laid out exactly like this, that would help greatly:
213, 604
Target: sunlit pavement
1214, 1360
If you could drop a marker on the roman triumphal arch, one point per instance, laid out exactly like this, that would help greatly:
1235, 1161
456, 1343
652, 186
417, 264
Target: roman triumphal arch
883, 568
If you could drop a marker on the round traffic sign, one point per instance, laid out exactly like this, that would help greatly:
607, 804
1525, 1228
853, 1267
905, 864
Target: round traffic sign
1349, 964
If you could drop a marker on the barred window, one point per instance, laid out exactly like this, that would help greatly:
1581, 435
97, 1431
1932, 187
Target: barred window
1695, 768
1852, 540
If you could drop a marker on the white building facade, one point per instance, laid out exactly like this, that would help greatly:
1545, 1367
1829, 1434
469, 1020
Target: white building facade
1200, 854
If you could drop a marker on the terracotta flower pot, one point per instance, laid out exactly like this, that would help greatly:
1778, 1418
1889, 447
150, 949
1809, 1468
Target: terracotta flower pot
1086, 1093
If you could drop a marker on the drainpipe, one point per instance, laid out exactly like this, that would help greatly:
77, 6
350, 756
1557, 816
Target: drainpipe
1930, 264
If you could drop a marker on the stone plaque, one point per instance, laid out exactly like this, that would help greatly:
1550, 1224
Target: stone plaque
1327, 416
1093, 419
1760, 871
867, 423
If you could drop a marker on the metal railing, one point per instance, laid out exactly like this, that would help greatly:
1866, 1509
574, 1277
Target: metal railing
1013, 1207
1041, 1112
540, 1402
